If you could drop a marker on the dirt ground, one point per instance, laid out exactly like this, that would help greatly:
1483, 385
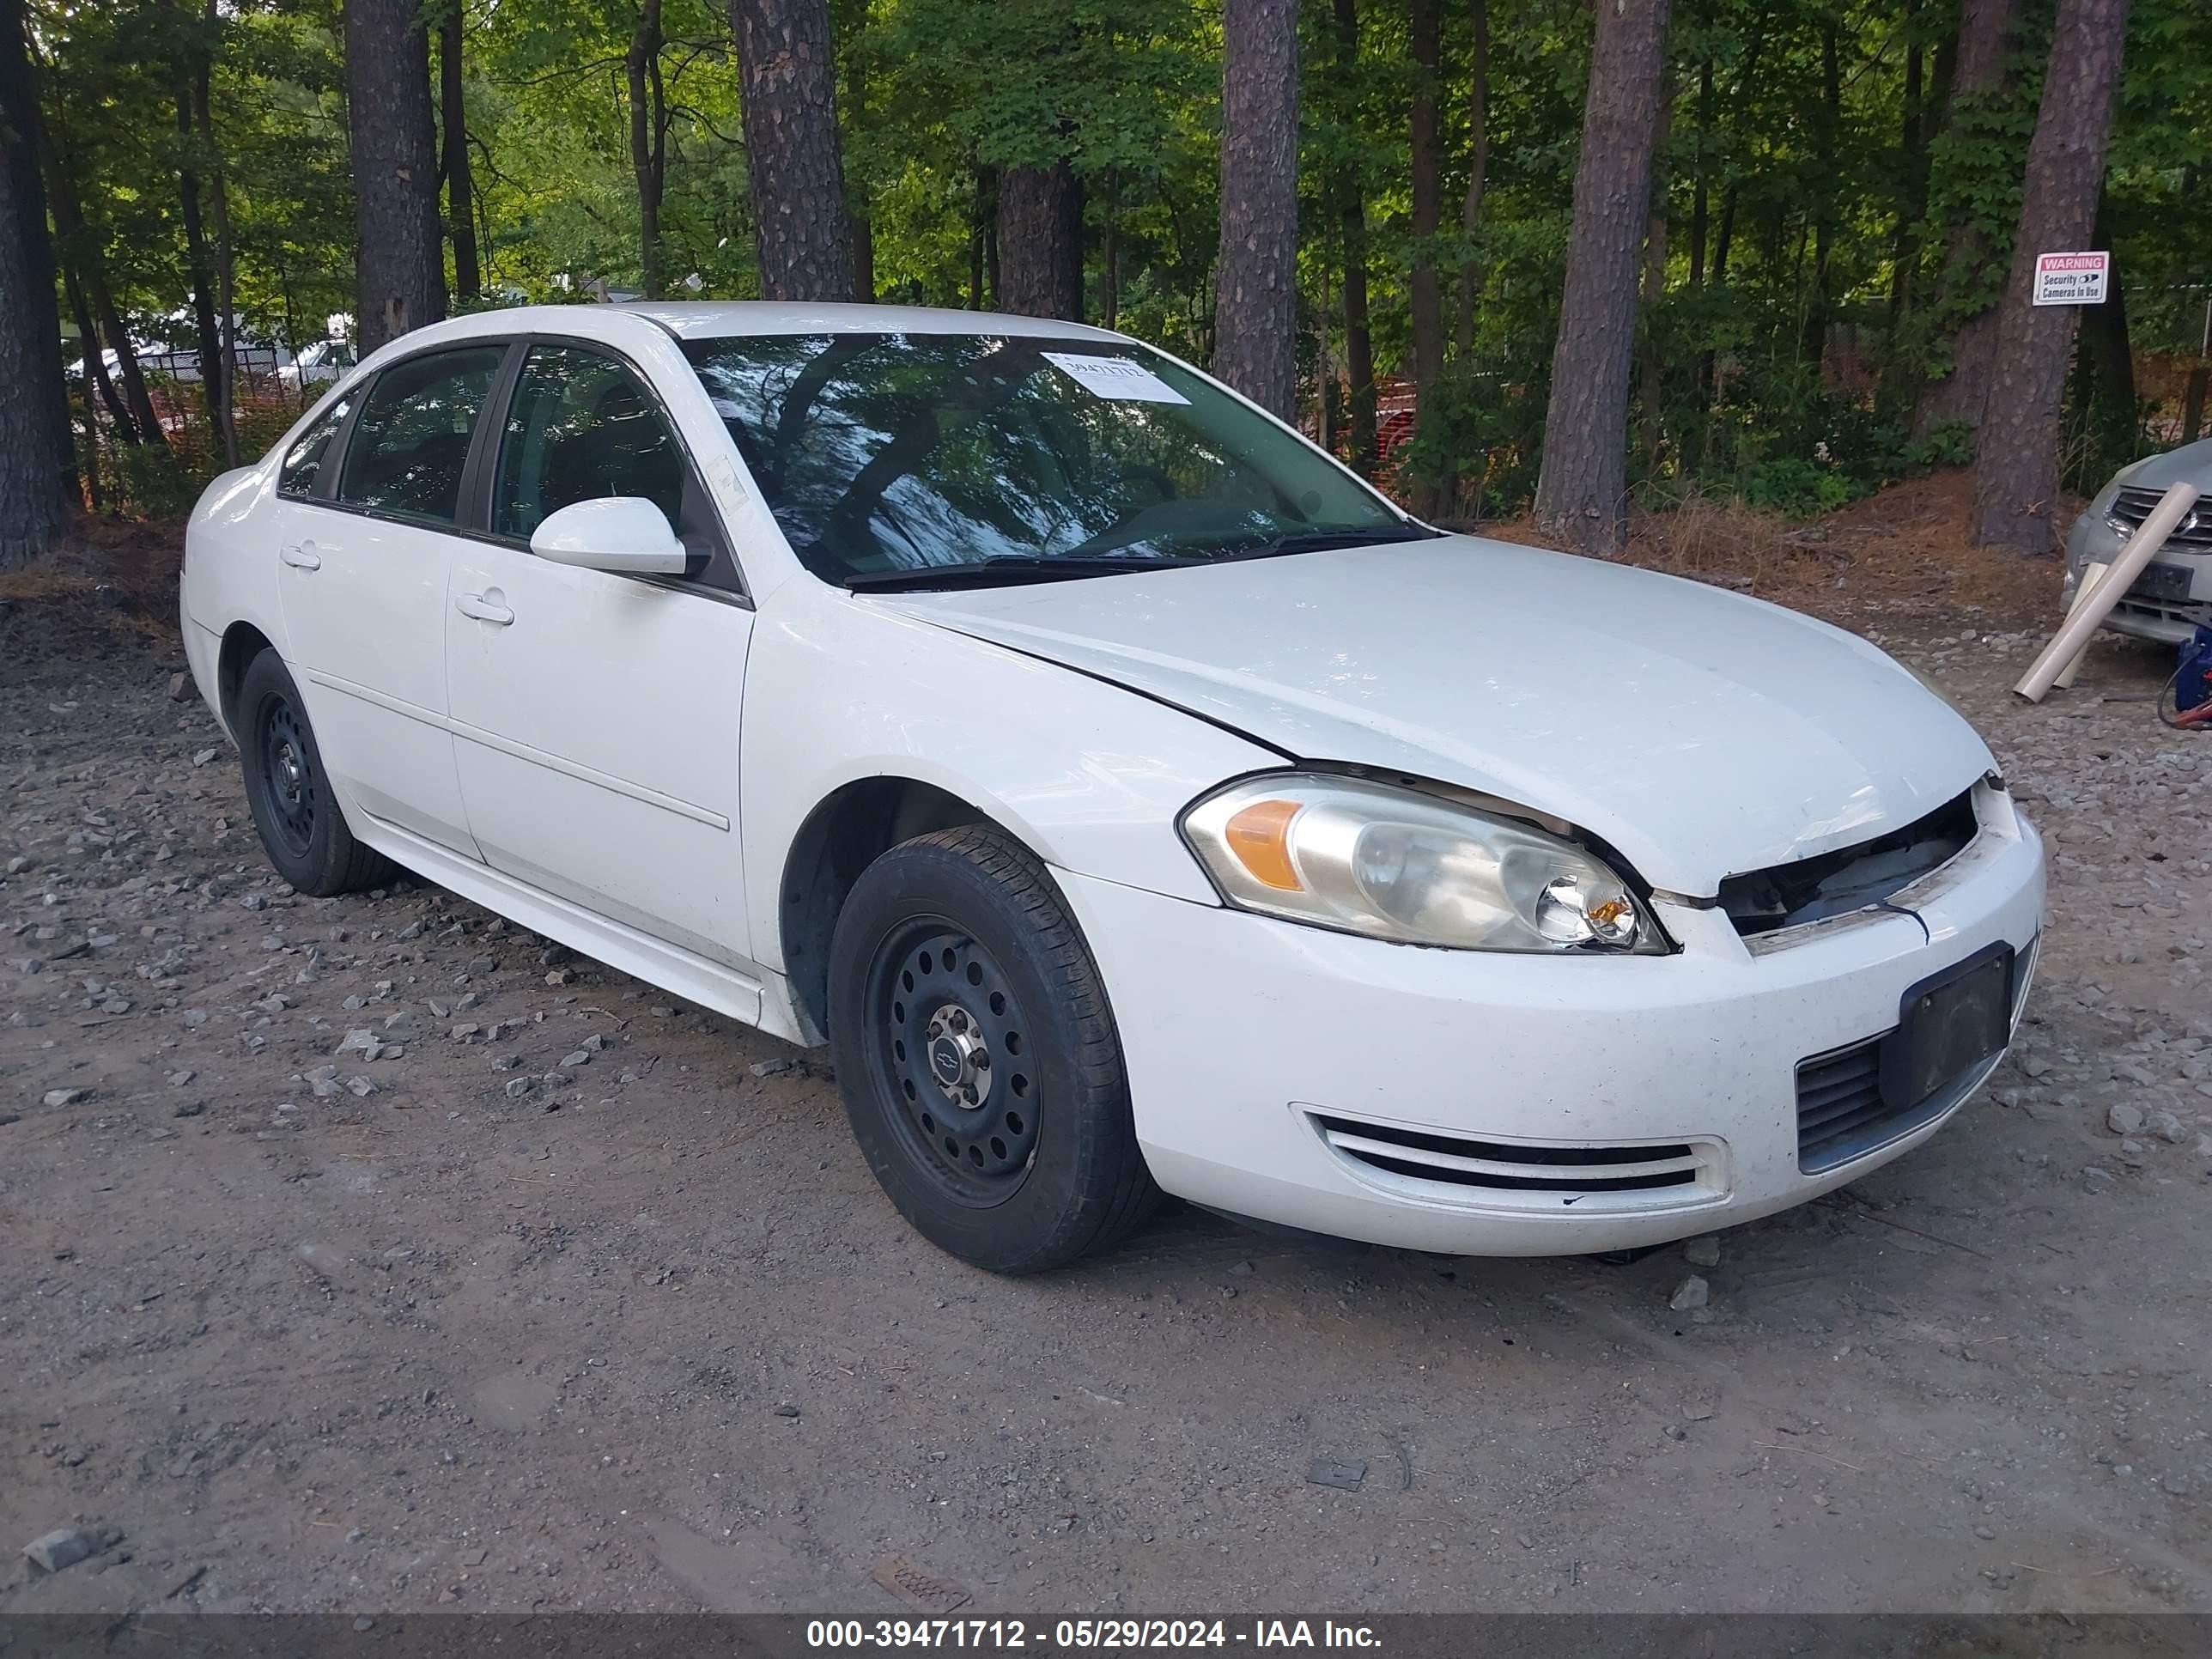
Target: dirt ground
466, 1324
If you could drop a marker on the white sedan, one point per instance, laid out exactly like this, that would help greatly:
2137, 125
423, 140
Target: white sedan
1131, 798
319, 364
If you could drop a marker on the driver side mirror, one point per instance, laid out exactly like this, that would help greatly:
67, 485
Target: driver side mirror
625, 534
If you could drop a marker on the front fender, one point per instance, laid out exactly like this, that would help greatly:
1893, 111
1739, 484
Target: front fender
1090, 775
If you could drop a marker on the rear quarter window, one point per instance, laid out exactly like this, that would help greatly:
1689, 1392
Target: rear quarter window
302, 468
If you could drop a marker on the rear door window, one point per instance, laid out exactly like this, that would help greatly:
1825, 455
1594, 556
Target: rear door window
410, 446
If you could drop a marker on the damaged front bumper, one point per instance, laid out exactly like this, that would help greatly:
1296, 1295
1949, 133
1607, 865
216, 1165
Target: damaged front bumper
1475, 1103
2164, 603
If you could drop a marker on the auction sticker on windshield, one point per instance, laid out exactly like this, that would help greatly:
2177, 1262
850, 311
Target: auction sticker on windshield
1118, 378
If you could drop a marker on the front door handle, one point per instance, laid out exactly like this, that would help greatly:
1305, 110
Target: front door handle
485, 607
301, 557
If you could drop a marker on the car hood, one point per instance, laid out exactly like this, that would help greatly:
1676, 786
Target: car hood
1700, 732
2190, 464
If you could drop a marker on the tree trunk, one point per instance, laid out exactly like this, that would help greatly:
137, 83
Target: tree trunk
983, 285
1650, 366
2192, 402
1478, 171
1255, 290
136, 397
1900, 386
226, 261
1912, 196
864, 225
648, 140
1110, 255
1427, 286
1724, 235
1984, 42
1581, 490
2016, 474
201, 269
80, 247
1813, 340
1040, 241
95, 362
2111, 353
1701, 199
983, 218
1943, 77
864, 258
399, 262
792, 152
36, 475
1351, 216
460, 182
34, 465
994, 283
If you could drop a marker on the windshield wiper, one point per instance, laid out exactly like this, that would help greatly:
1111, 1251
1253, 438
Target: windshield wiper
1042, 568
1007, 568
1320, 541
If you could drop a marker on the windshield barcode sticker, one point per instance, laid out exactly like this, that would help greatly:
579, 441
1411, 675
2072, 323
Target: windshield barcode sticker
1117, 378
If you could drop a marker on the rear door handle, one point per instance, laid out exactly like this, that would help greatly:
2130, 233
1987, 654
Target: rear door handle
302, 558
485, 607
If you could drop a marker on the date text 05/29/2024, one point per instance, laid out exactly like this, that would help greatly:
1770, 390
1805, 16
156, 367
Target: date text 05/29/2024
1085, 1634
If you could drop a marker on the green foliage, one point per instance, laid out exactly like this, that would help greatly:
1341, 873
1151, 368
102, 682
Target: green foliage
1794, 486
1482, 436
1949, 444
149, 482
1788, 141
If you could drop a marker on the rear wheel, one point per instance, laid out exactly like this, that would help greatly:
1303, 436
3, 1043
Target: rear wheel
287, 791
978, 1057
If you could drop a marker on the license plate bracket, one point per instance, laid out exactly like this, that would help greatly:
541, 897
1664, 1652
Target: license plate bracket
1947, 1024
2169, 582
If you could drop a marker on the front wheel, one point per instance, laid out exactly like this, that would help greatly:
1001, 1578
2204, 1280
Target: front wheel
288, 793
978, 1057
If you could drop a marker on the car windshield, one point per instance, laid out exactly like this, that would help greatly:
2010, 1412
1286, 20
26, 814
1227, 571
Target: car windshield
1016, 457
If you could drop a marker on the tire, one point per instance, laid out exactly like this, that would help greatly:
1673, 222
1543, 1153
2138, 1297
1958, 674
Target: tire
978, 1058
288, 790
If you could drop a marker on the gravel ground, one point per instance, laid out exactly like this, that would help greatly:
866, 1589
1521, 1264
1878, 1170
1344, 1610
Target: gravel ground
370, 1255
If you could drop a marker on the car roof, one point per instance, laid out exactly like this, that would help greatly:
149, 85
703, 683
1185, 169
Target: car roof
712, 319
722, 319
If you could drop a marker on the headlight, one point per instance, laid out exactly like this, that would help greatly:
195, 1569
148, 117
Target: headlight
2100, 508
1394, 864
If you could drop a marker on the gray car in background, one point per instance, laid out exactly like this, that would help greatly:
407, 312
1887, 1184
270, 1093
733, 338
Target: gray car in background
2164, 602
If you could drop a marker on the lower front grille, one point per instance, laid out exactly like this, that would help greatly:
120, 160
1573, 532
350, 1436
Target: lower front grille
1503, 1168
1839, 1100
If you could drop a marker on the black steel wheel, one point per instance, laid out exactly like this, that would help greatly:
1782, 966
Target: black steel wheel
302, 828
952, 1059
978, 1058
289, 790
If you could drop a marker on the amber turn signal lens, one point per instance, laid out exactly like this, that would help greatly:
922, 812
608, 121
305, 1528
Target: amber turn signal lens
1260, 836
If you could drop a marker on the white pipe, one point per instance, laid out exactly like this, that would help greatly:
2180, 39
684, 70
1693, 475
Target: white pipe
2127, 564
2090, 575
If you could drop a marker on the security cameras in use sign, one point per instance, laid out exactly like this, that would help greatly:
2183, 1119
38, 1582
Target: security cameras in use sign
2071, 279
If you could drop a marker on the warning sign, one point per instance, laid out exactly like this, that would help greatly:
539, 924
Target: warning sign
2071, 279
